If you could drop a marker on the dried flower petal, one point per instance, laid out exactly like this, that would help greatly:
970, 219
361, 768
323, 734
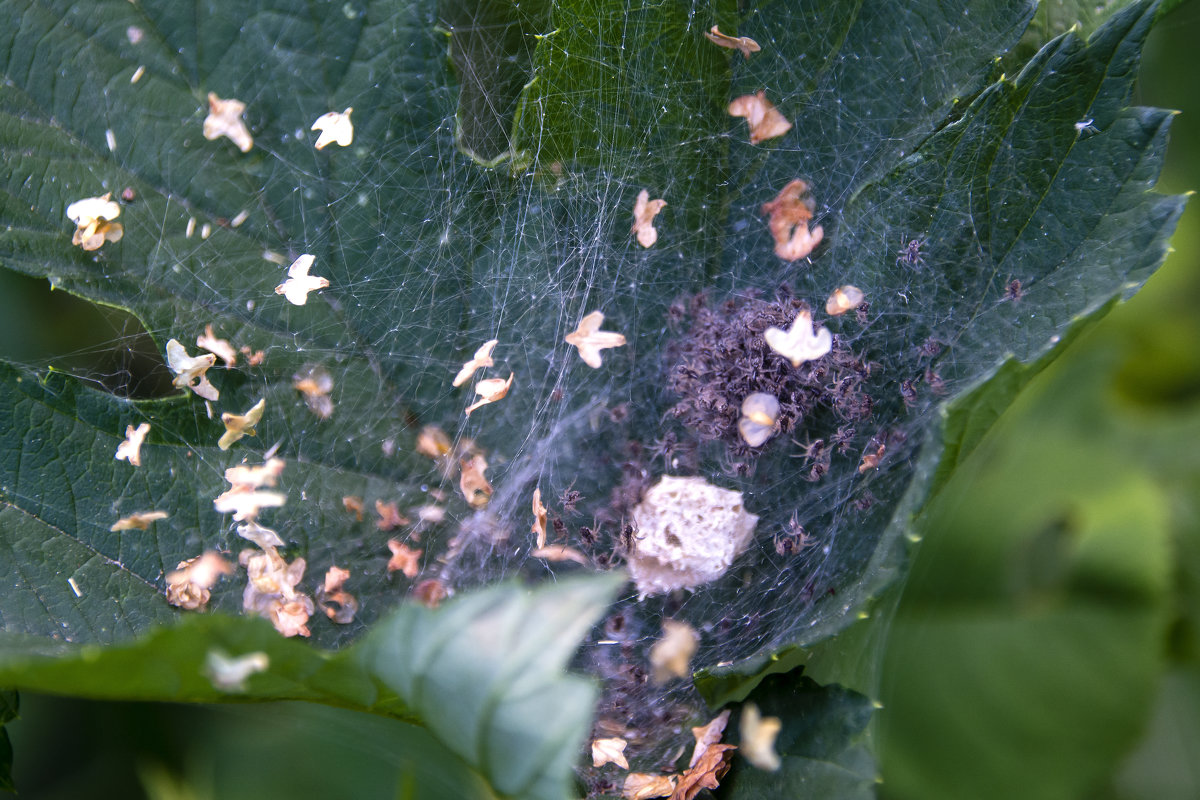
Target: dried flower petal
430, 592
354, 505
758, 738
670, 656
190, 372
707, 735
539, 518
221, 347
93, 221
481, 359
239, 425
263, 537
334, 127
404, 559
590, 340
743, 44
490, 390
760, 414
432, 441
138, 521
230, 674
131, 449
609, 751
225, 119
560, 552
870, 460
765, 120
643, 786
340, 606
188, 584
389, 516
245, 504
248, 476
271, 591
801, 342
471, 481
789, 214
315, 383
299, 283
644, 212
845, 298
707, 772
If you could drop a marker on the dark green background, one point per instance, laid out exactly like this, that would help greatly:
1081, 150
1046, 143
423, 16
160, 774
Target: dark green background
1107, 428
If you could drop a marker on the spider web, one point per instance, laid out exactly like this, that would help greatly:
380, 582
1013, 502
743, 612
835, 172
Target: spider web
488, 194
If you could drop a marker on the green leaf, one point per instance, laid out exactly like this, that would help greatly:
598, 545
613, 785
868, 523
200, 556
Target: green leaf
483, 673
1030, 639
505, 707
9, 703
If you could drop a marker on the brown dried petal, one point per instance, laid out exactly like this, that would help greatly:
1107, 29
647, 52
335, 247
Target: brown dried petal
404, 559
764, 119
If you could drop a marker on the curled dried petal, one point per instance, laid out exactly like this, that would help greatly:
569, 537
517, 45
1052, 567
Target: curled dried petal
609, 751
845, 298
539, 518
138, 521
764, 119
481, 359
671, 656
644, 212
239, 425
743, 44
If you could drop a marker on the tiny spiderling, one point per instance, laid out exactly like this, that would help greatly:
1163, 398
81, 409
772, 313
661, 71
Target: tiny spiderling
911, 255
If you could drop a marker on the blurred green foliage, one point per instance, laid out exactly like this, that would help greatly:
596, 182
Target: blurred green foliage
1012, 665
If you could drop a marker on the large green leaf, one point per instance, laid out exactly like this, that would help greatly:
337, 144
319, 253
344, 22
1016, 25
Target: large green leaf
901, 127
1042, 585
484, 673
